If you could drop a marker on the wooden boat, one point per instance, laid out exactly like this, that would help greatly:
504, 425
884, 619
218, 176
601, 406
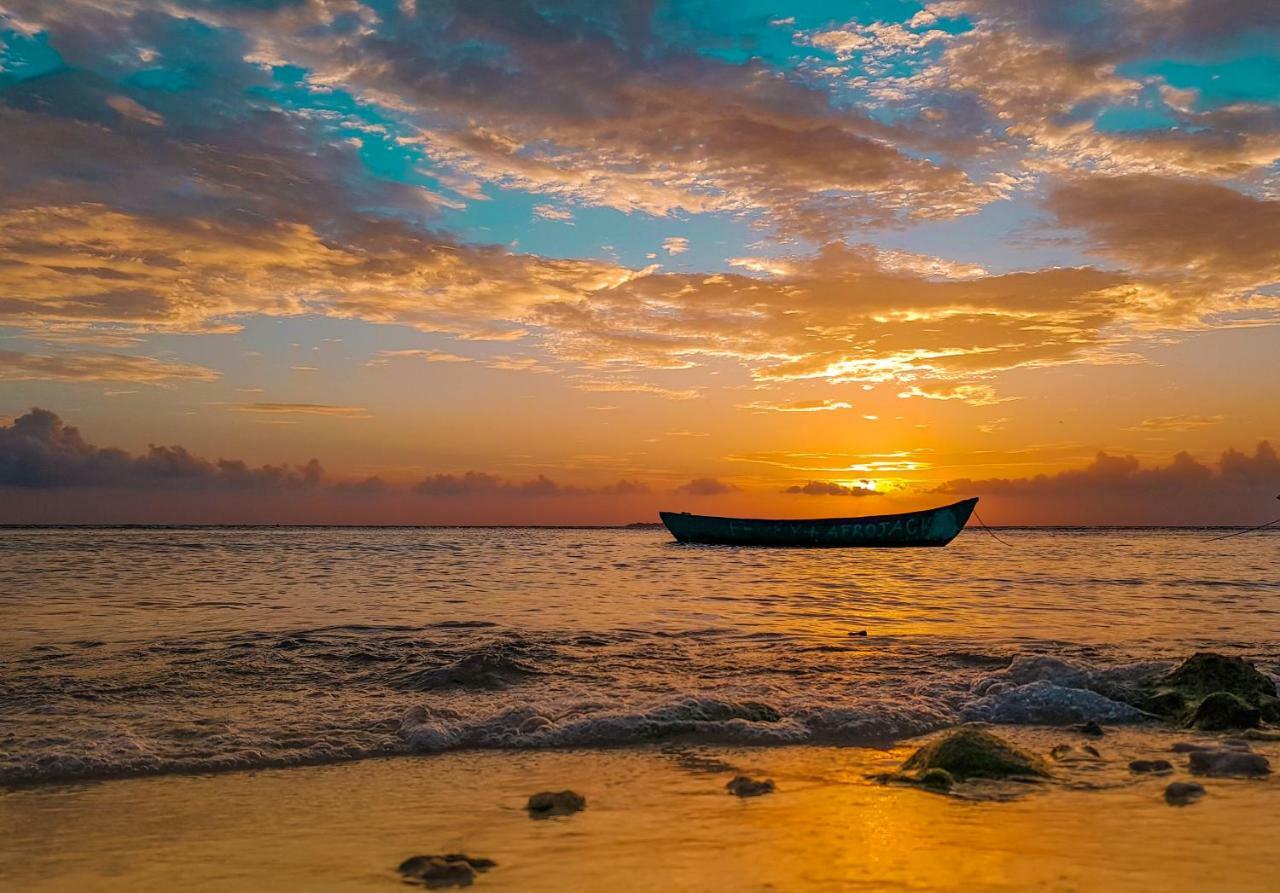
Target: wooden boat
931, 527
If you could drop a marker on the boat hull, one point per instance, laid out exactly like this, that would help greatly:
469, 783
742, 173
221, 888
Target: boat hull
931, 527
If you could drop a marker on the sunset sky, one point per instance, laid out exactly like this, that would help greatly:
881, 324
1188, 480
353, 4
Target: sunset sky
572, 262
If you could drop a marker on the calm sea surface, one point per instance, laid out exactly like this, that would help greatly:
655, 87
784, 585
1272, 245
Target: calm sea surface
136, 651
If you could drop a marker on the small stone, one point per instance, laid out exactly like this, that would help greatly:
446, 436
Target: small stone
1068, 753
1229, 762
742, 786
1150, 767
1090, 728
548, 803
452, 870
1183, 793
860, 632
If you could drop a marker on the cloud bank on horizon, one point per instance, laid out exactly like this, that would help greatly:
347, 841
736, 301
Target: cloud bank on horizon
552, 240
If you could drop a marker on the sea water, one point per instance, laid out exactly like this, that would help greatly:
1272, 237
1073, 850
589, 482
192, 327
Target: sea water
141, 651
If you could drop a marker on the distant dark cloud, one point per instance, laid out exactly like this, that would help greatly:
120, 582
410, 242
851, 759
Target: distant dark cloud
38, 451
479, 483
1120, 490
705, 487
829, 488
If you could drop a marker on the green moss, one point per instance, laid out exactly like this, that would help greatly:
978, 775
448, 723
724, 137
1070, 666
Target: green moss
936, 780
973, 753
1215, 692
1221, 711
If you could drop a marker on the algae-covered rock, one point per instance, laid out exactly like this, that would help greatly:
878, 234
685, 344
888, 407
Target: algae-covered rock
1204, 672
1215, 692
973, 753
1223, 710
936, 780
545, 804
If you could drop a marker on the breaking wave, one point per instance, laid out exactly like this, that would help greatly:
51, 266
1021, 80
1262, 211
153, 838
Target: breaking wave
89, 710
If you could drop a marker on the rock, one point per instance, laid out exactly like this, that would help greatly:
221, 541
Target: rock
936, 780
452, 870
548, 803
1229, 762
860, 632
742, 786
973, 753
1183, 793
1191, 746
1090, 728
1213, 691
1150, 767
1223, 710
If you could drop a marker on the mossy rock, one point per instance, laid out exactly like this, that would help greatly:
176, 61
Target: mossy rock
1221, 711
1204, 673
1214, 692
973, 753
936, 780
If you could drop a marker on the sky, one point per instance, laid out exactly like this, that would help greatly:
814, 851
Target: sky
551, 261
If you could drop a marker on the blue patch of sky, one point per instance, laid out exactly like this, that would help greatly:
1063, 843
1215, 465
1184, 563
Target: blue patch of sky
508, 218
1121, 119
24, 56
1253, 76
1005, 236
343, 116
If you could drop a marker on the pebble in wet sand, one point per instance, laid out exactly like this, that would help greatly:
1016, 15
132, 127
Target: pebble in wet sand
451, 870
1183, 793
1150, 767
1229, 762
742, 786
1090, 728
545, 804
1068, 753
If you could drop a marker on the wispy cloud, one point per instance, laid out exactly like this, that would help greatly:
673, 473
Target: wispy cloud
15, 366
324, 409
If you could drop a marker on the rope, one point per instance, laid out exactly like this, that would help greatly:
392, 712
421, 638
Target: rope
993, 533
1227, 536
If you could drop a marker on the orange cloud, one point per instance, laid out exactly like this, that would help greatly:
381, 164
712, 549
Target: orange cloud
15, 366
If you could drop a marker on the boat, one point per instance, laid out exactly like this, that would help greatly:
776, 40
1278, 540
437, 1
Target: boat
930, 527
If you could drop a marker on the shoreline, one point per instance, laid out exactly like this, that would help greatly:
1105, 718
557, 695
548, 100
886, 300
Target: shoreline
657, 816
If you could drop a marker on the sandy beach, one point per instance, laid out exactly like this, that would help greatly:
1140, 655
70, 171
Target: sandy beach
656, 818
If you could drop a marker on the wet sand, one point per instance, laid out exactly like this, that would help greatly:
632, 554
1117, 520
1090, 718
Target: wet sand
657, 817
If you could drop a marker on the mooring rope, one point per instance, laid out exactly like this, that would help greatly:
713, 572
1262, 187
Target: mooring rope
1227, 536
993, 533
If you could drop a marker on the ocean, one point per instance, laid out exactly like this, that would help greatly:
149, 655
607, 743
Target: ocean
158, 651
